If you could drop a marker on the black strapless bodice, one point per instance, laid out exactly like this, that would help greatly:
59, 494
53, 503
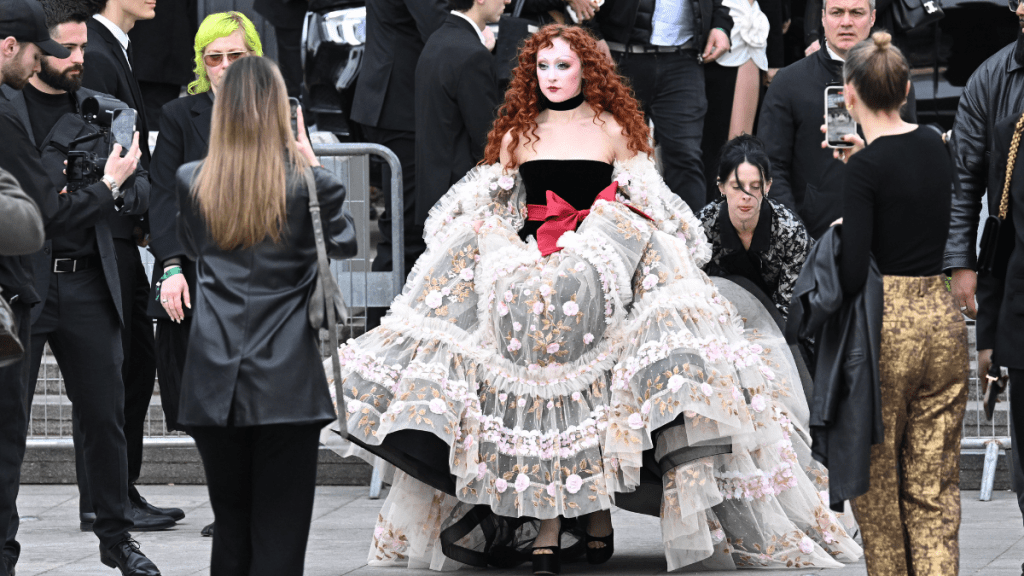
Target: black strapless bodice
577, 182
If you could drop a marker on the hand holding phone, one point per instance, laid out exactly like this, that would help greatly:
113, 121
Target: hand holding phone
838, 122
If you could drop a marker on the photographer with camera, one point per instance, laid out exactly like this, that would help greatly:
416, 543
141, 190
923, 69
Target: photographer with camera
76, 272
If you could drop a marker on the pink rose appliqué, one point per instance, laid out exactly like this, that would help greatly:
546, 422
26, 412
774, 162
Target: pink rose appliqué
500, 485
675, 383
570, 308
438, 406
553, 347
573, 483
481, 471
758, 403
635, 421
522, 482
806, 545
588, 338
433, 299
514, 344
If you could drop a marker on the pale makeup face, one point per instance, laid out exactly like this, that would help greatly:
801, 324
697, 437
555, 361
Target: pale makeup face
559, 71
846, 22
234, 42
744, 191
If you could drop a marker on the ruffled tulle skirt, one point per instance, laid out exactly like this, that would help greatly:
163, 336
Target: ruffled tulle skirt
518, 386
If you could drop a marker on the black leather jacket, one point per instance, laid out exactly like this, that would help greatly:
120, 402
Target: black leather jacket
629, 21
994, 92
846, 406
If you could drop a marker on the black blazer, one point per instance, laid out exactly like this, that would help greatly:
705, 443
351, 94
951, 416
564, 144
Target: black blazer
251, 351
164, 47
288, 14
97, 214
1001, 302
396, 31
184, 137
846, 405
456, 100
106, 70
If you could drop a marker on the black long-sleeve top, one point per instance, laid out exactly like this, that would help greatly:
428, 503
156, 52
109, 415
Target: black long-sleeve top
896, 205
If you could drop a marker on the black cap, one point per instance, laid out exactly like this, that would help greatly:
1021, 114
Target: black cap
24, 19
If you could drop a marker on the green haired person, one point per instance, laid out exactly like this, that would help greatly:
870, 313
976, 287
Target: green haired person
222, 38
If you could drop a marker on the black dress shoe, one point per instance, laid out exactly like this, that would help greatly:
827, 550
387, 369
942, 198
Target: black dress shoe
85, 520
139, 502
146, 522
126, 557
207, 531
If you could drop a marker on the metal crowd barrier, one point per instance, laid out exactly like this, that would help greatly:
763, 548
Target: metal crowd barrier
50, 420
979, 434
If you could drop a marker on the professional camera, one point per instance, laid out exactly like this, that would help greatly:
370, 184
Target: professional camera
116, 124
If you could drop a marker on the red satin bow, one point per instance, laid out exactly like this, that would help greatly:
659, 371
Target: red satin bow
560, 217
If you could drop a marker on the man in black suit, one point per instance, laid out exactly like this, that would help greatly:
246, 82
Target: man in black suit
77, 276
286, 16
164, 58
109, 69
24, 36
385, 104
456, 98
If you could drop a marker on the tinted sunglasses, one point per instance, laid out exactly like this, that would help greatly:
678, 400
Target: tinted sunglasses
1013, 4
214, 59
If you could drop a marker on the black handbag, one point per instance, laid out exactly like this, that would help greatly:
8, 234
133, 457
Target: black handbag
997, 237
11, 349
911, 14
512, 30
326, 306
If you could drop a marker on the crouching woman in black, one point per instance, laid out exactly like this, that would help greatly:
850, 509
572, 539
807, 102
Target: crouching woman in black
254, 393
751, 235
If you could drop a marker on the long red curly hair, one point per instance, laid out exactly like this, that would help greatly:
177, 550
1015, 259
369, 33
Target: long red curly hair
603, 88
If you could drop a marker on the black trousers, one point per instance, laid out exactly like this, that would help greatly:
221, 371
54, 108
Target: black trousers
261, 481
403, 144
171, 347
1016, 424
720, 88
80, 323
670, 88
14, 382
138, 372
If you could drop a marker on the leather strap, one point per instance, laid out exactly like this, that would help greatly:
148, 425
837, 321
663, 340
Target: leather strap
332, 320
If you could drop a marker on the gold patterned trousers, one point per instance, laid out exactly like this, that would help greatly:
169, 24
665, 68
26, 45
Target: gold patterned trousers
910, 517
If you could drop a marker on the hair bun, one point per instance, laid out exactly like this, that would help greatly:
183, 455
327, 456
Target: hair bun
882, 39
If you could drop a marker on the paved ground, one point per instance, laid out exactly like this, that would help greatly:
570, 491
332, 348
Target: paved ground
992, 541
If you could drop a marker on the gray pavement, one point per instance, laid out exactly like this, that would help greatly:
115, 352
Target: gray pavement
991, 543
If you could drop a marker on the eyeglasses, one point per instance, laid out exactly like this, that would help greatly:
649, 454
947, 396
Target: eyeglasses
214, 59
1013, 4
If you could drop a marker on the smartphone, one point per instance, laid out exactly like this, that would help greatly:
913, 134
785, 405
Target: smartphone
293, 103
838, 122
122, 127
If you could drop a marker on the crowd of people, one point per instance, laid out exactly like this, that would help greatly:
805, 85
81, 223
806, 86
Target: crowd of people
615, 295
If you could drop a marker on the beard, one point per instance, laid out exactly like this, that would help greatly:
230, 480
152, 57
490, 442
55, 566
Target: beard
15, 75
61, 80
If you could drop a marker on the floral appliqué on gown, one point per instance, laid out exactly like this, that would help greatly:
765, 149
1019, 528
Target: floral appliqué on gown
546, 376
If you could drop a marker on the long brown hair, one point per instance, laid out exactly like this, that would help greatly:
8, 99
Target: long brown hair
242, 189
603, 88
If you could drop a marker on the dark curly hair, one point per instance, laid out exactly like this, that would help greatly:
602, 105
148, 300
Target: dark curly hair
603, 88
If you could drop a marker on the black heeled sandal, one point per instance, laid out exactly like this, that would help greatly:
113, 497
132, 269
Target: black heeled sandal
603, 554
547, 563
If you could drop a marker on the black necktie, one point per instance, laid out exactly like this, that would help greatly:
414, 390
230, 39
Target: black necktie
131, 59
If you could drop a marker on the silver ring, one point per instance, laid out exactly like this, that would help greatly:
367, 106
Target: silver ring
163, 300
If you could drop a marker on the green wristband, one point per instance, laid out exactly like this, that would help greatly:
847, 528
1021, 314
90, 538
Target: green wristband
171, 272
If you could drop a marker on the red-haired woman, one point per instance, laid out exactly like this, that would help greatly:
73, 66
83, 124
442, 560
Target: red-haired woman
557, 350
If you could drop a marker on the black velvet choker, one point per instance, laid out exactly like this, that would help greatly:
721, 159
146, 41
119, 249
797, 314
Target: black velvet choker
570, 104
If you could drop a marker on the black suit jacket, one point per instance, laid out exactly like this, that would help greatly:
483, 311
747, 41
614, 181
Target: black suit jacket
1001, 302
287, 14
96, 206
251, 352
456, 99
107, 71
163, 47
396, 31
184, 137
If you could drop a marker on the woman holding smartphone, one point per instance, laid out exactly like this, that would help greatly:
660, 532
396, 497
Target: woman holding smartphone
254, 393
896, 207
